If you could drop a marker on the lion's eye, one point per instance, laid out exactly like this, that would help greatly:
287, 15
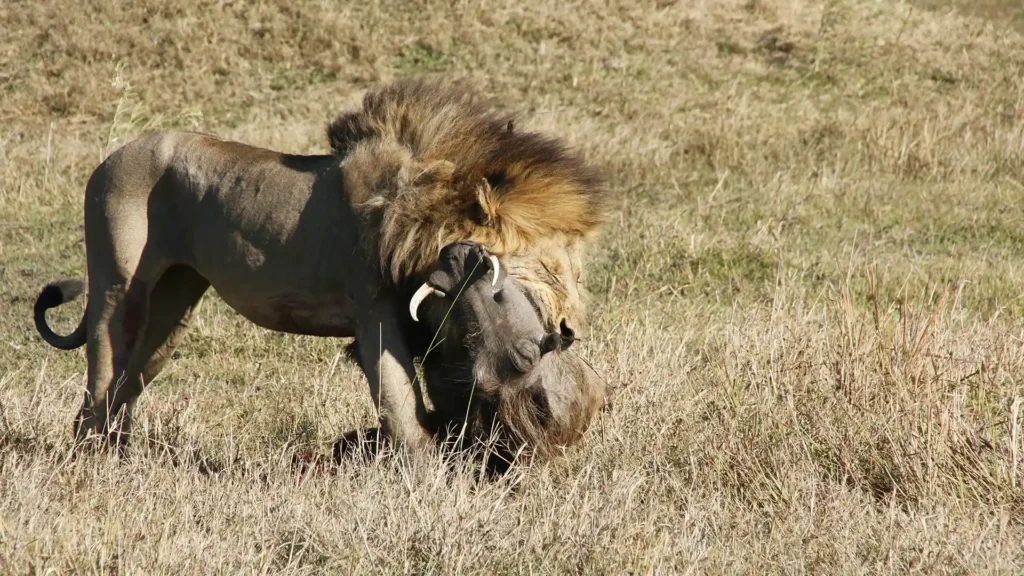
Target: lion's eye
496, 180
532, 299
476, 214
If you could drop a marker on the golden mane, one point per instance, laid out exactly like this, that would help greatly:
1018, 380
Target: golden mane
461, 171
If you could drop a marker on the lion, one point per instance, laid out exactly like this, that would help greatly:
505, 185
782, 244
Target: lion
334, 245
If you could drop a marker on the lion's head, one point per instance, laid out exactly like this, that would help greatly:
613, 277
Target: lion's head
457, 169
431, 163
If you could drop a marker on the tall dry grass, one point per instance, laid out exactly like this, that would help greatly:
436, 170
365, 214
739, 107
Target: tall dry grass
809, 298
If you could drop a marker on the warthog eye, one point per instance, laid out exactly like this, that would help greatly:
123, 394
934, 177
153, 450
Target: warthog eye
523, 355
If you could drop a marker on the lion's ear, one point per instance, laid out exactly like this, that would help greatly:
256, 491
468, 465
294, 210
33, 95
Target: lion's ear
436, 172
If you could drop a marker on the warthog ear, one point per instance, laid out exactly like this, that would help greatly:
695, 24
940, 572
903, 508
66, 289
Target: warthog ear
560, 340
438, 172
568, 334
550, 343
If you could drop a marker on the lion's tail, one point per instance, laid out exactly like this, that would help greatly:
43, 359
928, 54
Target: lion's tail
54, 295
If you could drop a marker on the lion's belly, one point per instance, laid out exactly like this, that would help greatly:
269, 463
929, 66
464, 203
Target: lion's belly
309, 314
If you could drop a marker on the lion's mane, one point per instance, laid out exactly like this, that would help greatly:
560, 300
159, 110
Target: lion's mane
465, 172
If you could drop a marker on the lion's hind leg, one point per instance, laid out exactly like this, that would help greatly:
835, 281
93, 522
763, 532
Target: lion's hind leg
134, 336
172, 304
117, 313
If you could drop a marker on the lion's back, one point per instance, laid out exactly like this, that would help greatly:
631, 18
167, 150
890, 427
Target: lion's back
134, 168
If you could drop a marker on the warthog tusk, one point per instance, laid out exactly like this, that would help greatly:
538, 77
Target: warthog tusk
419, 297
497, 269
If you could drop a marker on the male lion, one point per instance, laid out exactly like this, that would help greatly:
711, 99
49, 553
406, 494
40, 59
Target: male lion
335, 245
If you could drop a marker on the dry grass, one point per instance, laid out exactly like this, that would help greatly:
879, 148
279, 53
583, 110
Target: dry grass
1004, 11
809, 299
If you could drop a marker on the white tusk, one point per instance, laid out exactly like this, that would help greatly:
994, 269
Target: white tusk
419, 297
497, 269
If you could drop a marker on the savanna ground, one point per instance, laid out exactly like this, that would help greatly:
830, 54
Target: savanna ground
809, 297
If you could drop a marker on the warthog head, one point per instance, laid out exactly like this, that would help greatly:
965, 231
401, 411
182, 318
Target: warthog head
493, 373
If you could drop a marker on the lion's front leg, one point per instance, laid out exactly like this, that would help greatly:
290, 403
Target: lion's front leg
388, 365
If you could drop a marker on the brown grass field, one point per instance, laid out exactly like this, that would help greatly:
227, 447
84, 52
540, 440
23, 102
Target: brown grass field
809, 297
